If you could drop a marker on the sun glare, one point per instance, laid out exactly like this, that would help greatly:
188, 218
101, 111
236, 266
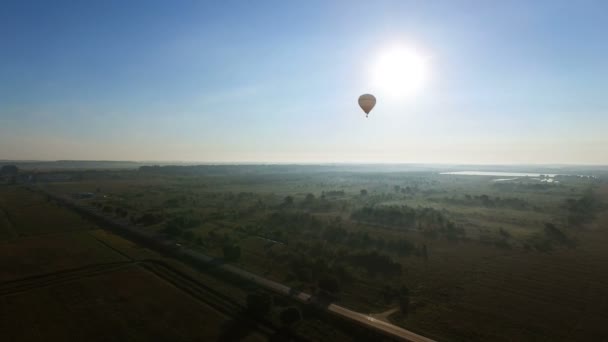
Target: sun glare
400, 72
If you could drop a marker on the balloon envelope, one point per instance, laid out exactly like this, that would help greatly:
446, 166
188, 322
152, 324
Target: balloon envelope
367, 102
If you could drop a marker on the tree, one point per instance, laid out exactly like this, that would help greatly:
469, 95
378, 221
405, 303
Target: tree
388, 293
259, 303
120, 212
9, 170
425, 254
288, 201
363, 192
188, 235
404, 300
172, 231
554, 233
149, 219
309, 198
231, 252
290, 315
329, 283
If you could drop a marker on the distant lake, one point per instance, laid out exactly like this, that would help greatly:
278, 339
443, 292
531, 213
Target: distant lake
500, 174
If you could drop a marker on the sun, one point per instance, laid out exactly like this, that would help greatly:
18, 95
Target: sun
400, 72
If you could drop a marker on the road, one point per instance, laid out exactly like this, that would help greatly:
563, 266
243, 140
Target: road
385, 328
365, 320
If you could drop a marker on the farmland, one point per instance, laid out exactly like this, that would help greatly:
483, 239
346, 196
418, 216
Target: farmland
62, 278
473, 258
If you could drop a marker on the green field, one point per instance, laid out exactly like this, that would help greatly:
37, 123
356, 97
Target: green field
483, 260
124, 304
478, 259
64, 279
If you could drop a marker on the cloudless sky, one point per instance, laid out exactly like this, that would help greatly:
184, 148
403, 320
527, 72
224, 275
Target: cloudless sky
278, 81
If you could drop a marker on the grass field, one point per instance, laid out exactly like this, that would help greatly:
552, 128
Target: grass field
499, 277
23, 214
128, 304
504, 296
46, 254
502, 261
61, 280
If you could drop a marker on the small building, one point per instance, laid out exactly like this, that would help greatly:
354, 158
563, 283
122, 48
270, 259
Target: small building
83, 195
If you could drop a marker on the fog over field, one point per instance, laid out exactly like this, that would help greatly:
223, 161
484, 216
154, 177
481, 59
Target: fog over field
391, 170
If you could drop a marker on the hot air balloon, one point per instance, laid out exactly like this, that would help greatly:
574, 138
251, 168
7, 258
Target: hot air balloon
367, 103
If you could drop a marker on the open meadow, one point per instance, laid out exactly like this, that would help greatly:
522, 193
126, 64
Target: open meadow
64, 279
475, 258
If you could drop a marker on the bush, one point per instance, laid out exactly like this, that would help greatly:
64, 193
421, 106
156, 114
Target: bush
290, 316
259, 303
329, 283
232, 252
9, 170
375, 263
149, 219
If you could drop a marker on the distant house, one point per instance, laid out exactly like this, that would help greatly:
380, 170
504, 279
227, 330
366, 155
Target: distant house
83, 195
53, 177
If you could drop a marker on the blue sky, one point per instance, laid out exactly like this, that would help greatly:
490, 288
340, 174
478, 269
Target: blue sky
277, 81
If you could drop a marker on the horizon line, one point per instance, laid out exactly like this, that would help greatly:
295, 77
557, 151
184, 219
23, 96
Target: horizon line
236, 163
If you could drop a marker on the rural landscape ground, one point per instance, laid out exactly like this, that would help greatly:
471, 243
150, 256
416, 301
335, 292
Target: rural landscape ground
453, 257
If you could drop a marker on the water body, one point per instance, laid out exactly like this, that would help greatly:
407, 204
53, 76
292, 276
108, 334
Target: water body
505, 179
498, 173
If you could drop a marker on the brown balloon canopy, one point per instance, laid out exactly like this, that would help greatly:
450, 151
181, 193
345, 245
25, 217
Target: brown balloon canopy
367, 103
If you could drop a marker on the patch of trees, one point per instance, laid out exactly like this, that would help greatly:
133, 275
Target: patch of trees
550, 238
150, 218
489, 202
375, 263
293, 221
555, 234
329, 283
174, 202
290, 316
431, 222
121, 212
356, 239
184, 221
178, 223
390, 294
330, 271
298, 225
319, 270
313, 203
403, 216
407, 190
516, 186
287, 202
9, 170
582, 210
232, 252
334, 234
333, 193
259, 303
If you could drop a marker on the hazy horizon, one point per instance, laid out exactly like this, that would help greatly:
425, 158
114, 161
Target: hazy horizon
289, 163
509, 83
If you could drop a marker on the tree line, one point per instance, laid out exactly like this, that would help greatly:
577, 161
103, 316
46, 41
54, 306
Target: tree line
432, 222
